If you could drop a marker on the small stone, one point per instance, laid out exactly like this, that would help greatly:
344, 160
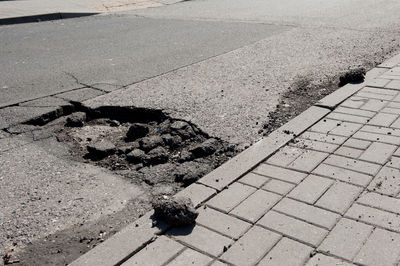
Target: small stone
182, 129
175, 211
101, 149
206, 148
172, 141
353, 75
177, 125
149, 143
158, 155
136, 131
113, 123
76, 119
185, 156
128, 148
136, 156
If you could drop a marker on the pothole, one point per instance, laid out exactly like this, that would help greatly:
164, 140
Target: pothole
143, 145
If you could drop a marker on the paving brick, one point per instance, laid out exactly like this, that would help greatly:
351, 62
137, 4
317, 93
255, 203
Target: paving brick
352, 111
393, 84
390, 110
394, 162
354, 102
346, 239
339, 197
201, 238
377, 82
249, 249
314, 145
357, 143
387, 181
197, 193
352, 164
349, 118
308, 160
383, 119
391, 62
381, 130
379, 91
156, 253
299, 230
231, 197
395, 71
380, 201
349, 152
190, 257
378, 152
375, 96
254, 180
311, 189
374, 216
285, 156
394, 105
374, 105
218, 263
280, 173
323, 137
390, 77
287, 252
397, 152
256, 205
345, 129
278, 186
222, 223
323, 260
381, 248
338, 96
324, 126
343, 174
307, 213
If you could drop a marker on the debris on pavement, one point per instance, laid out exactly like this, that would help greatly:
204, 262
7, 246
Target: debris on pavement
175, 211
354, 75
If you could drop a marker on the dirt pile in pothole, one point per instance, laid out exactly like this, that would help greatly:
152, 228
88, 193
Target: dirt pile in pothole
144, 147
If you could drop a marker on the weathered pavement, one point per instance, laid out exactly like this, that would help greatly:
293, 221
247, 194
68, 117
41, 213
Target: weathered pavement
321, 190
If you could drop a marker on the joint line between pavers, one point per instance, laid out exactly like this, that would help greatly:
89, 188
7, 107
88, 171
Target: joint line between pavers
303, 220
363, 243
120, 262
175, 256
337, 257
218, 232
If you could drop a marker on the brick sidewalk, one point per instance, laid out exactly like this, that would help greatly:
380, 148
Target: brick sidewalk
328, 197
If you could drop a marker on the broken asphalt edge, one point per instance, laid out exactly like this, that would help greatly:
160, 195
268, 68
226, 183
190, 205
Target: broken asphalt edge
45, 17
130, 240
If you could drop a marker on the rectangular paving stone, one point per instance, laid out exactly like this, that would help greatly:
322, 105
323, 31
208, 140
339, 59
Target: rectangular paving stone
387, 181
311, 188
352, 164
285, 156
396, 124
255, 206
377, 137
222, 223
375, 96
394, 105
390, 110
197, 193
308, 160
218, 263
287, 252
307, 213
391, 62
349, 152
378, 152
381, 130
394, 162
201, 238
379, 91
393, 84
250, 248
357, 143
278, 186
339, 197
343, 174
354, 102
299, 230
346, 239
322, 260
231, 197
324, 126
348, 118
377, 82
314, 145
280, 173
380, 202
383, 119
374, 105
352, 111
156, 253
254, 180
345, 129
323, 137
335, 98
381, 248
374, 216
190, 257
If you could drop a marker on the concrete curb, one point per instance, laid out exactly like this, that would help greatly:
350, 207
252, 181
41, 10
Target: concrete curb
45, 17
